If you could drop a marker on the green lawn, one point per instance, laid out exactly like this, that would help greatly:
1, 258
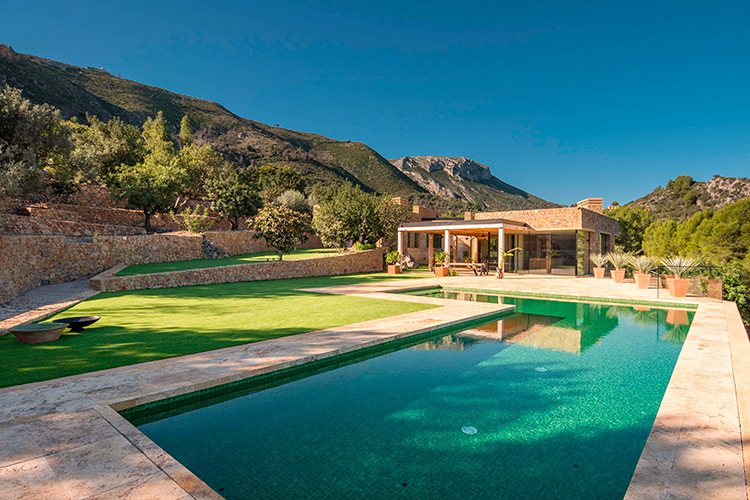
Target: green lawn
146, 325
248, 258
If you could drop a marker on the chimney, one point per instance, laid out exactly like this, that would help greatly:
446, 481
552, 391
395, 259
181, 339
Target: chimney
468, 216
593, 204
401, 201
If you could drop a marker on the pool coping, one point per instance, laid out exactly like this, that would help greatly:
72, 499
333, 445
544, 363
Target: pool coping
44, 405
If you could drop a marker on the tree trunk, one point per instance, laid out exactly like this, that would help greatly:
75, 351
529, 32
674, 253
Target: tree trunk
234, 221
148, 222
280, 255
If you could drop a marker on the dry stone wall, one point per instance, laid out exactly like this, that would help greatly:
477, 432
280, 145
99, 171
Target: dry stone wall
27, 262
16, 224
351, 262
241, 242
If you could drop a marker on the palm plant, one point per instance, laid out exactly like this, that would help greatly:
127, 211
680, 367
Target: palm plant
679, 265
598, 259
642, 263
618, 259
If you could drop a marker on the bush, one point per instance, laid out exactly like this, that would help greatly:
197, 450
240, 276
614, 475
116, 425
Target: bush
736, 287
393, 258
364, 246
195, 220
441, 257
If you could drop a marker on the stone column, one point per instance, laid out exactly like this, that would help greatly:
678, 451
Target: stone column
400, 242
431, 256
447, 242
500, 249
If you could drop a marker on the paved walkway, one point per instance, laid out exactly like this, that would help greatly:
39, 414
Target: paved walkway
42, 302
63, 439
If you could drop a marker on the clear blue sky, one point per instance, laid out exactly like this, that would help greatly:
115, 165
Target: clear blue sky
566, 101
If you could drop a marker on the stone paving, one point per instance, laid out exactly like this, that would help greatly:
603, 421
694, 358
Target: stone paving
63, 439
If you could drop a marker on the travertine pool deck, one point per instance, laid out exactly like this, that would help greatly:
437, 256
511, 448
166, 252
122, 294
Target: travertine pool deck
63, 439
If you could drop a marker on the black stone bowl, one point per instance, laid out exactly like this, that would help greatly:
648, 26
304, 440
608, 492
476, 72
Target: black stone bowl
78, 323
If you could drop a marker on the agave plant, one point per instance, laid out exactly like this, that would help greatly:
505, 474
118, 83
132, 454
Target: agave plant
598, 259
679, 265
642, 263
618, 259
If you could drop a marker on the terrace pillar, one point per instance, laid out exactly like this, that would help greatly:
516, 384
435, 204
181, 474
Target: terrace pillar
500, 249
447, 242
431, 255
400, 242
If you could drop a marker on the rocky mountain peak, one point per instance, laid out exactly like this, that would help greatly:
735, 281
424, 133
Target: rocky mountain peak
455, 166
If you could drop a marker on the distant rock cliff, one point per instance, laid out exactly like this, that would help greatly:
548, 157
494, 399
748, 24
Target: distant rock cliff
463, 178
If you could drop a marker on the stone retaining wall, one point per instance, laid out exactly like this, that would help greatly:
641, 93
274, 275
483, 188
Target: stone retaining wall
16, 224
351, 262
241, 242
27, 262
113, 216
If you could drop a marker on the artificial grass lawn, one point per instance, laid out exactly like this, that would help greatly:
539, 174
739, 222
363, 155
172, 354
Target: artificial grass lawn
146, 325
248, 258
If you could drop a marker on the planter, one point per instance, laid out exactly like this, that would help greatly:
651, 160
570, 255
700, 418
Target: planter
642, 280
669, 278
618, 275
36, 334
441, 271
394, 269
680, 287
599, 273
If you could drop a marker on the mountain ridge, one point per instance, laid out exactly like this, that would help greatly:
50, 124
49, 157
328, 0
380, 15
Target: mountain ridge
79, 92
463, 178
683, 196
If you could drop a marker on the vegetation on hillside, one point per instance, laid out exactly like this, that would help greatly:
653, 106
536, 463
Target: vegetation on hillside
85, 93
683, 196
719, 239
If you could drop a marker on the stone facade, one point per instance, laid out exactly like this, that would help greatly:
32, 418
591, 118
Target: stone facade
351, 262
16, 224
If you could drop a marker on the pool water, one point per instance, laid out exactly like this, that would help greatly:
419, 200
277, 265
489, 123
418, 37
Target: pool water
553, 401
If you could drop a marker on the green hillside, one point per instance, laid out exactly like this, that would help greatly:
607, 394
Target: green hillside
78, 91
683, 196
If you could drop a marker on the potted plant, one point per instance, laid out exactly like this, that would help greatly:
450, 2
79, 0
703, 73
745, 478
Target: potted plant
678, 266
501, 256
642, 265
618, 260
599, 262
441, 264
393, 259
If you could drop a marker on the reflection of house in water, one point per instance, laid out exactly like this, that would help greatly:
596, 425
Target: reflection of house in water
587, 325
447, 343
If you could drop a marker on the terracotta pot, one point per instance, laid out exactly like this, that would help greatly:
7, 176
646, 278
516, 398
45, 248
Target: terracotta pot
680, 287
618, 275
394, 269
642, 280
599, 273
441, 271
669, 278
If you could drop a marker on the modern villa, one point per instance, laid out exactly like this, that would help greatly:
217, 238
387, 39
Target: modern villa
551, 241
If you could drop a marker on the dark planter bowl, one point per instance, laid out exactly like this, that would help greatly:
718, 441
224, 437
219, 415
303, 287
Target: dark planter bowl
78, 323
38, 333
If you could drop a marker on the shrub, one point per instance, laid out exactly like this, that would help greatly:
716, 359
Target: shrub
195, 220
441, 257
618, 259
364, 246
393, 258
598, 259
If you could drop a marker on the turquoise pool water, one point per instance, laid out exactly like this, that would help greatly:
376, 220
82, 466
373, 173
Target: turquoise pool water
553, 401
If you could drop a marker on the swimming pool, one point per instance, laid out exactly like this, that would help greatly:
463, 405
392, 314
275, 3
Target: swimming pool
553, 401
